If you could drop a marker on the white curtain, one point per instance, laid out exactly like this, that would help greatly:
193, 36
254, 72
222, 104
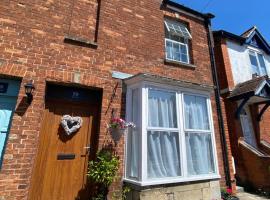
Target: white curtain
133, 136
199, 153
163, 153
161, 109
198, 145
196, 115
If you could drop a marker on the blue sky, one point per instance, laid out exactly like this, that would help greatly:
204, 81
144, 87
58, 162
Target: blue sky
235, 16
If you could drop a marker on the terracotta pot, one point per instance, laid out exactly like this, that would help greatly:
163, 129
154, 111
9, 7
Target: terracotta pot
117, 133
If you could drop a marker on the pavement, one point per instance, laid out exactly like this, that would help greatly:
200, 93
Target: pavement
248, 196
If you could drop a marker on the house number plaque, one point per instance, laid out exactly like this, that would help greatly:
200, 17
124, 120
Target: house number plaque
3, 87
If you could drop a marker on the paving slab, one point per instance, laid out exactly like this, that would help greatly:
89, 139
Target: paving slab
248, 196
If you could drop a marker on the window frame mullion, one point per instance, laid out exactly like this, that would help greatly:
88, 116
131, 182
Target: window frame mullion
212, 133
144, 122
180, 116
259, 64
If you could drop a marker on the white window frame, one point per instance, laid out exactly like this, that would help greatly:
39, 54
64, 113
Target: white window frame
180, 27
256, 53
186, 38
247, 115
178, 43
142, 180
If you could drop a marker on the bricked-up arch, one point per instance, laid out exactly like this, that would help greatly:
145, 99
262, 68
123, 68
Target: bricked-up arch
84, 21
255, 91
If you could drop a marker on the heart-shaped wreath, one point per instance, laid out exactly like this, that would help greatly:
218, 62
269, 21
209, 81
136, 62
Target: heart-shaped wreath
71, 124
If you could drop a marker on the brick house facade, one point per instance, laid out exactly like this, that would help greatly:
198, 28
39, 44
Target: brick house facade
236, 58
78, 44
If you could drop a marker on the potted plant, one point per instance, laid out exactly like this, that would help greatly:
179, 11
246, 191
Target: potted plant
103, 171
118, 127
226, 194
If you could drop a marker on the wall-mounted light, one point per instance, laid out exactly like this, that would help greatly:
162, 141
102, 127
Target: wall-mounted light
29, 88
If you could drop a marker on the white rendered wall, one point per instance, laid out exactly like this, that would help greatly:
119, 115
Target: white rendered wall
240, 63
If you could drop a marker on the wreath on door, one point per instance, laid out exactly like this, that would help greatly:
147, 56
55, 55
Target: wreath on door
71, 124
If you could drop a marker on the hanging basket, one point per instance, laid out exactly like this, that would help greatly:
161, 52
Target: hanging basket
117, 133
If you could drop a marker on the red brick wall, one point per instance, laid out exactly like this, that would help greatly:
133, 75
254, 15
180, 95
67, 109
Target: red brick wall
222, 59
130, 39
264, 127
225, 79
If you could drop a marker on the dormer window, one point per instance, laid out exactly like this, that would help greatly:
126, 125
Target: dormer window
257, 63
177, 38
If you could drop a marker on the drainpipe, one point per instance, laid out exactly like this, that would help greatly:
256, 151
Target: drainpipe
208, 18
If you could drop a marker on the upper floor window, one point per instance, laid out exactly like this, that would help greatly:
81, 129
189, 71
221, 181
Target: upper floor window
176, 41
257, 63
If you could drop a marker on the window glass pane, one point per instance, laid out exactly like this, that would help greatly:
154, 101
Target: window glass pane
199, 150
247, 128
163, 154
184, 56
183, 49
161, 109
196, 114
178, 29
176, 38
169, 49
176, 51
254, 63
253, 60
134, 136
262, 64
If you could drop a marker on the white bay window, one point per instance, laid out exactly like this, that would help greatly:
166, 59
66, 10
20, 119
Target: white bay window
173, 140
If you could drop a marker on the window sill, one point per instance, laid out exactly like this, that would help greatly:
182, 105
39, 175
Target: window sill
180, 64
172, 180
80, 41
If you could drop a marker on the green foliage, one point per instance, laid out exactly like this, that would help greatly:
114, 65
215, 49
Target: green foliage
104, 169
99, 197
121, 194
225, 195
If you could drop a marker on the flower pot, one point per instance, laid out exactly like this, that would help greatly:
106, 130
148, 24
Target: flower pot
117, 133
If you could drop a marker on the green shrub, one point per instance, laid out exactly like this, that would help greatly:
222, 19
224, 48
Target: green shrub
103, 171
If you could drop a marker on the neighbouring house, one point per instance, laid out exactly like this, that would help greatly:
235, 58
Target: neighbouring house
147, 61
243, 65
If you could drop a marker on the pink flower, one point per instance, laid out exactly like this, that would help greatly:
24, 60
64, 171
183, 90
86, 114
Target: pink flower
120, 123
229, 190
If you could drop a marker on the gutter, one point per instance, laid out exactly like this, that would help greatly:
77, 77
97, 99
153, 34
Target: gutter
231, 36
218, 103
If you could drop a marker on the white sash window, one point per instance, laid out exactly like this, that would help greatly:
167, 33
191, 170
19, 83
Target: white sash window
177, 38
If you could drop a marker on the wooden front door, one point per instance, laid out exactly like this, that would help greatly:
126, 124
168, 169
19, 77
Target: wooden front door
62, 160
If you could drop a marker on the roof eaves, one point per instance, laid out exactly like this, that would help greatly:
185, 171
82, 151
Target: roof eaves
228, 35
189, 10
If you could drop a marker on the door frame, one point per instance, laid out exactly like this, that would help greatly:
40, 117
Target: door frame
9, 95
91, 138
